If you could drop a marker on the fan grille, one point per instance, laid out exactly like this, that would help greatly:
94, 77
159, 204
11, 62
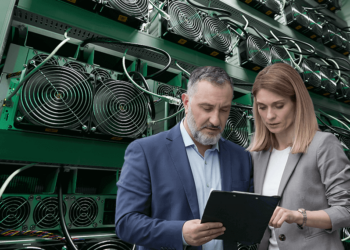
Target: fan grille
110, 245
76, 66
279, 55
83, 212
185, 20
135, 8
332, 34
328, 80
39, 58
101, 74
346, 85
345, 40
217, 34
316, 24
14, 212
165, 89
311, 73
46, 213
258, 51
120, 109
57, 97
300, 14
275, 5
236, 129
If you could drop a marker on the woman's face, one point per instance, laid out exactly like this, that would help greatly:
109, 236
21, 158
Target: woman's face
277, 112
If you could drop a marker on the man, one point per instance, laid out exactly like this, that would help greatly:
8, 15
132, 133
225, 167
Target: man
167, 178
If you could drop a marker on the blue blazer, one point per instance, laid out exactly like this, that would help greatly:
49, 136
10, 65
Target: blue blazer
156, 190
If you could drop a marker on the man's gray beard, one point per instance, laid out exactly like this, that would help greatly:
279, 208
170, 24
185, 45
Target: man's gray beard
198, 135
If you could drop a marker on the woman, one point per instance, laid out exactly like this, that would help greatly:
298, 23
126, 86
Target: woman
294, 160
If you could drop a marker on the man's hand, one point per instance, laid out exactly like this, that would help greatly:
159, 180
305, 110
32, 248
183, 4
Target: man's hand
281, 215
197, 234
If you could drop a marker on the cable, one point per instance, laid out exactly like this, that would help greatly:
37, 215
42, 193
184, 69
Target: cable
34, 233
283, 42
151, 102
148, 25
324, 113
8, 99
166, 118
335, 70
237, 27
226, 13
302, 42
182, 69
339, 66
320, 7
160, 11
170, 99
290, 56
64, 229
104, 40
8, 180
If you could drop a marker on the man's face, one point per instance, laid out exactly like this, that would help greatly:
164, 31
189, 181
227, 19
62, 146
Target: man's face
207, 113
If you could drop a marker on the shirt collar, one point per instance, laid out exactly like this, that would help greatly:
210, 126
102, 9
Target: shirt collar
188, 140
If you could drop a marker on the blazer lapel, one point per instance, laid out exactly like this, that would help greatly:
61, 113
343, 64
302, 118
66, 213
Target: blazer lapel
292, 162
225, 170
178, 154
260, 167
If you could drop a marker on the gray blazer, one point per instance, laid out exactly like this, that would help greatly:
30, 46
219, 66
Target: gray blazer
316, 180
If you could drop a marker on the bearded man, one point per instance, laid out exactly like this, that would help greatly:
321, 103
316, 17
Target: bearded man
167, 178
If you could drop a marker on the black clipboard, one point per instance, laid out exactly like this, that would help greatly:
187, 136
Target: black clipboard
245, 215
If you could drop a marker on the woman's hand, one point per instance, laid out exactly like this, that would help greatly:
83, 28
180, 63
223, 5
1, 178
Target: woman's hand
281, 215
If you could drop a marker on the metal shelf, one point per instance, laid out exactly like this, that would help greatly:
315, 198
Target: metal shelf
264, 24
86, 24
51, 14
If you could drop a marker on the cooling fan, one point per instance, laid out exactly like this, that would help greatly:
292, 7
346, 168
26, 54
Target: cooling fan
76, 66
311, 75
343, 89
236, 129
328, 82
39, 58
245, 247
185, 21
345, 37
254, 53
185, 26
119, 109
217, 35
101, 75
135, 8
83, 212
55, 97
297, 17
280, 55
332, 36
316, 23
342, 134
270, 8
114, 244
46, 213
332, 5
14, 212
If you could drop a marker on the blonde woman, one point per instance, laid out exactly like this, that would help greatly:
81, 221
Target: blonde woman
296, 161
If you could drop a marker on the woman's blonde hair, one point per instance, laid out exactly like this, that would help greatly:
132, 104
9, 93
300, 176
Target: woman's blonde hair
282, 79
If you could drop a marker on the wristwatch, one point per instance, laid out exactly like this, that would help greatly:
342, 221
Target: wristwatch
303, 212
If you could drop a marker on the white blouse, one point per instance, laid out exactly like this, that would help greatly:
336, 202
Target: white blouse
274, 172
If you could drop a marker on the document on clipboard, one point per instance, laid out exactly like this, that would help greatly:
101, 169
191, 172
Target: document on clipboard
244, 215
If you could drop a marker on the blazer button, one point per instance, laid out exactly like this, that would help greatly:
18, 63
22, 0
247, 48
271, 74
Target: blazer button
282, 237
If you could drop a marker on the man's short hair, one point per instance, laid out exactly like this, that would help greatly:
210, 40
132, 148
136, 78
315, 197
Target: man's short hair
214, 75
